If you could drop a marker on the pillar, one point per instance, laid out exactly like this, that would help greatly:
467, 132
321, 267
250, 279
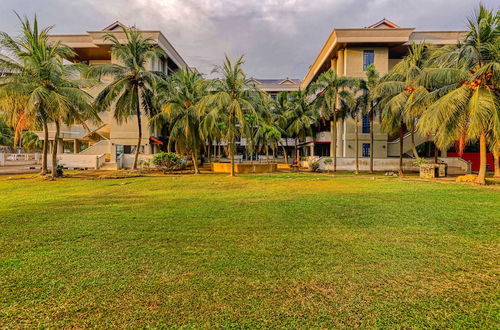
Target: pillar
76, 146
311, 149
340, 62
60, 146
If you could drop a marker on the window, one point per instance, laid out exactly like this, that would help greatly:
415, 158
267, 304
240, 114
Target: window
368, 58
274, 96
365, 128
366, 150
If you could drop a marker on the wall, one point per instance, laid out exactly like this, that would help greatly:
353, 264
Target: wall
455, 165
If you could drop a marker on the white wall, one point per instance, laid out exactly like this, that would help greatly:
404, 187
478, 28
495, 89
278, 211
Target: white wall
456, 165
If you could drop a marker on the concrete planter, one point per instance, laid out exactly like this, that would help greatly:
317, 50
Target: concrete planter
244, 168
429, 171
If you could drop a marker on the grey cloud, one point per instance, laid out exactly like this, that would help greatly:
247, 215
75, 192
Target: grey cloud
278, 37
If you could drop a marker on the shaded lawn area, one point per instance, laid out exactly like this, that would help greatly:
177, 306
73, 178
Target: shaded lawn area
287, 250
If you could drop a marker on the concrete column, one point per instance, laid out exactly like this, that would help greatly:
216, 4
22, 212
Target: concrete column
76, 146
60, 146
2, 159
340, 62
311, 149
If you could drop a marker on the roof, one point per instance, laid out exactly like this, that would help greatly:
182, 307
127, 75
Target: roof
278, 81
383, 23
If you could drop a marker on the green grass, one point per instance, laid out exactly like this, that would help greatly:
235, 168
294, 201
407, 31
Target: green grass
287, 250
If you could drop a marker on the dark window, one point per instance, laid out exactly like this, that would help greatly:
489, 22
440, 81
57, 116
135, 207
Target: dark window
368, 58
366, 150
366, 124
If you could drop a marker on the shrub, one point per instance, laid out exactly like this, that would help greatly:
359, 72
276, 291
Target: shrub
313, 165
420, 161
168, 162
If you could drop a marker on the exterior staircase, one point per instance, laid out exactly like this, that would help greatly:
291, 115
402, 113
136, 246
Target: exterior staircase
393, 146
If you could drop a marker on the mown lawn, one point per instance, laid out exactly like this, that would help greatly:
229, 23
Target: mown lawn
287, 250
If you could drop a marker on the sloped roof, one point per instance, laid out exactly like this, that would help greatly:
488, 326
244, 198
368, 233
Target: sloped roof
113, 26
278, 81
383, 23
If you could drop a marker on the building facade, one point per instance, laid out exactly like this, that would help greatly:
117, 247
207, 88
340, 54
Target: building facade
111, 137
349, 52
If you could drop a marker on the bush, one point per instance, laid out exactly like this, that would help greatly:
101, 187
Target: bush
313, 166
467, 178
168, 161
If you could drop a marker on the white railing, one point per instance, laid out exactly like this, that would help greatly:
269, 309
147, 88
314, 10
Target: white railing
100, 160
19, 158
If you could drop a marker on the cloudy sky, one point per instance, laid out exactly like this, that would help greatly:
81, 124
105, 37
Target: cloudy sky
280, 38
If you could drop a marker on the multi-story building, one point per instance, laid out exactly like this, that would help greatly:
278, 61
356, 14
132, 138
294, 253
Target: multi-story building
350, 52
111, 137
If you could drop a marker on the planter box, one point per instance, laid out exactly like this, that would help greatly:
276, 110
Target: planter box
243, 168
429, 171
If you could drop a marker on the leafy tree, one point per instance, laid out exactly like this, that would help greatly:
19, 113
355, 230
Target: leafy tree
329, 88
234, 96
38, 84
132, 86
180, 95
300, 118
463, 102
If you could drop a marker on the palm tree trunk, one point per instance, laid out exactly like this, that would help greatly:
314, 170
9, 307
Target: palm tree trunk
413, 146
195, 163
371, 140
481, 177
332, 150
45, 147
209, 151
54, 151
357, 144
267, 154
139, 125
496, 162
401, 137
285, 154
296, 151
436, 151
232, 148
334, 141
169, 144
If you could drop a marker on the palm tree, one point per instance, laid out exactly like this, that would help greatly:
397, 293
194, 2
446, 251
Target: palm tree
132, 86
356, 103
234, 96
329, 86
300, 117
371, 82
38, 83
399, 91
464, 98
180, 95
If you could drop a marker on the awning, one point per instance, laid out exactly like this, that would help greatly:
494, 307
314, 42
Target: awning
156, 140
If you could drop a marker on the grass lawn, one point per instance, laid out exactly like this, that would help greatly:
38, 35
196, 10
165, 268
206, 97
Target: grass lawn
285, 250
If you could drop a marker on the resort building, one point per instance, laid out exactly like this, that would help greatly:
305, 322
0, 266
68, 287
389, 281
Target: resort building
350, 52
110, 137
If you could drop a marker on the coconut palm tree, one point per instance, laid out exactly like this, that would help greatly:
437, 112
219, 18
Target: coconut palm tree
300, 117
233, 97
180, 95
133, 85
371, 82
356, 103
328, 88
464, 98
39, 85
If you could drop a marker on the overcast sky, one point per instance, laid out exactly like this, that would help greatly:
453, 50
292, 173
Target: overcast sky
279, 38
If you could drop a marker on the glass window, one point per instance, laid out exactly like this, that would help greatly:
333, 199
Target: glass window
366, 150
366, 124
368, 58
